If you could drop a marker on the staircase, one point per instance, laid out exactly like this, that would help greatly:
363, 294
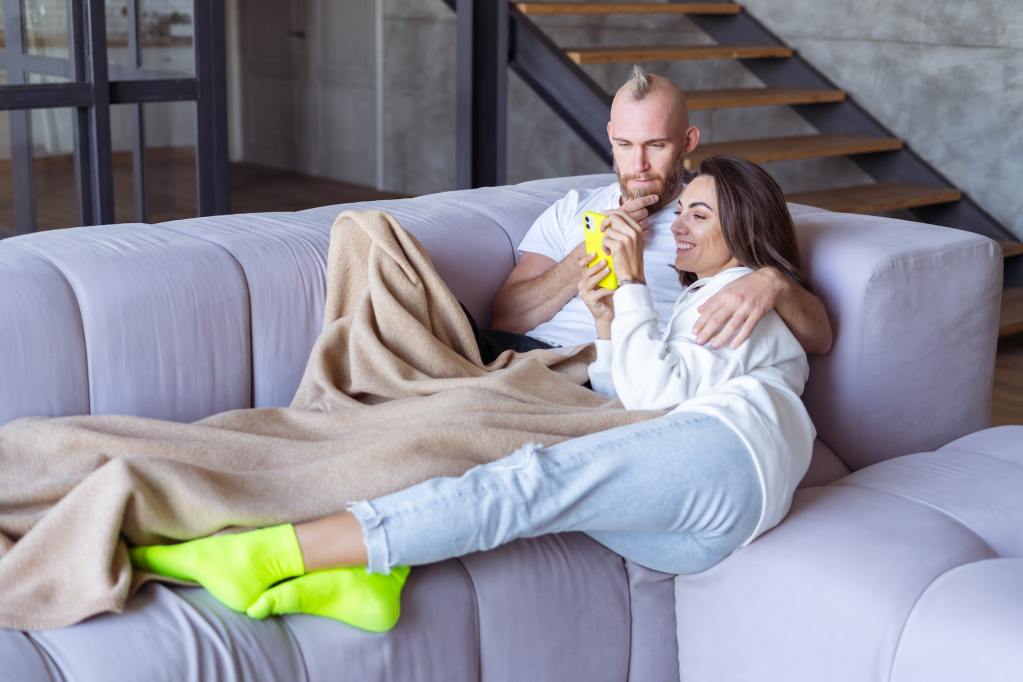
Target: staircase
903, 180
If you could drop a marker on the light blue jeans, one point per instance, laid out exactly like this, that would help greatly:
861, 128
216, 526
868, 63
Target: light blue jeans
677, 494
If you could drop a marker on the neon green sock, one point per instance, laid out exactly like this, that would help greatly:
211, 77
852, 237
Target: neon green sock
370, 601
236, 569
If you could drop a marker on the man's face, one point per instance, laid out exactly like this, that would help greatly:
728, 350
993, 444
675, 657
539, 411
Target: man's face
649, 149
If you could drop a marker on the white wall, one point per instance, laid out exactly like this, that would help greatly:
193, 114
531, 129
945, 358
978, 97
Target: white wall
310, 87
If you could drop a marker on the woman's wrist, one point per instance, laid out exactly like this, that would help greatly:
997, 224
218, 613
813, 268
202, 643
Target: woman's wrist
622, 281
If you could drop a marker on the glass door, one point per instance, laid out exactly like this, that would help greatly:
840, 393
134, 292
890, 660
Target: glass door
111, 111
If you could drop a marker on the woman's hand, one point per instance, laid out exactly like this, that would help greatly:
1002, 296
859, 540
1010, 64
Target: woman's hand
623, 240
596, 298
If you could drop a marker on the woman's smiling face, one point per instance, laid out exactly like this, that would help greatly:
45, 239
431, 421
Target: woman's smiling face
700, 246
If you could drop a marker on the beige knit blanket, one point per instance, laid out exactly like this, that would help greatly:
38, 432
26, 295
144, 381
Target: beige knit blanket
394, 393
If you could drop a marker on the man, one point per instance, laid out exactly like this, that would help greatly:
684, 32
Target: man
650, 135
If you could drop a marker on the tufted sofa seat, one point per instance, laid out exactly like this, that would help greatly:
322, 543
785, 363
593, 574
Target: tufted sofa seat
910, 570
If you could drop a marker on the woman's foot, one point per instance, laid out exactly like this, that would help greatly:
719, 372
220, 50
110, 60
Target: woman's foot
236, 569
370, 601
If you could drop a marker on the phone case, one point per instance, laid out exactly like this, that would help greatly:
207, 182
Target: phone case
595, 245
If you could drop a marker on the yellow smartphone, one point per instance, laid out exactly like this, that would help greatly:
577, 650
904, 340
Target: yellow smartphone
595, 246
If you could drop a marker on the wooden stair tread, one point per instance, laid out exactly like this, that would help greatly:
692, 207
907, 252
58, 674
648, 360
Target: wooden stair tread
877, 198
796, 147
1010, 249
659, 53
565, 8
1011, 321
757, 97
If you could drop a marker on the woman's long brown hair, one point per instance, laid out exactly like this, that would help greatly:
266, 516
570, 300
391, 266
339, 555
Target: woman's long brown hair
755, 220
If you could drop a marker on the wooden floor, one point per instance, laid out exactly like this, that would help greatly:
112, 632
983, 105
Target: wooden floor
171, 184
255, 188
258, 188
1007, 400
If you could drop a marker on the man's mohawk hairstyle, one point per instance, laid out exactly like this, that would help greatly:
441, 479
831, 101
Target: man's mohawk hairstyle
639, 82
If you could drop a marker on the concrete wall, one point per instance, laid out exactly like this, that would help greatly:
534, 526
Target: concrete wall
269, 62
944, 75
340, 116
417, 112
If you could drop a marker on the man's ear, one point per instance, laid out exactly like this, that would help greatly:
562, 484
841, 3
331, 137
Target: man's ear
692, 138
610, 133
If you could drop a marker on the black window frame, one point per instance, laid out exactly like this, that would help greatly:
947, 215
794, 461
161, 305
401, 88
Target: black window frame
91, 93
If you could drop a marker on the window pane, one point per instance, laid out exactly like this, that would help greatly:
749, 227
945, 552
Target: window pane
122, 129
167, 31
46, 27
46, 78
53, 164
167, 22
170, 160
117, 36
6, 193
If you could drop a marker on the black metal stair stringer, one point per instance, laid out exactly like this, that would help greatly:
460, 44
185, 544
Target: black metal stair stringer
568, 90
575, 97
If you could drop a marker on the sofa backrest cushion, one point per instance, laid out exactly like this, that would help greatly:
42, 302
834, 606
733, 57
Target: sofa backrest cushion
158, 321
914, 309
188, 318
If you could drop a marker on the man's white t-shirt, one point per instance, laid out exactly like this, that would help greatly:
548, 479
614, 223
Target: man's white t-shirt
559, 229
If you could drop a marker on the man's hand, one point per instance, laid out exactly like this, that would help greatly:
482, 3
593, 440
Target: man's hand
638, 209
535, 291
735, 310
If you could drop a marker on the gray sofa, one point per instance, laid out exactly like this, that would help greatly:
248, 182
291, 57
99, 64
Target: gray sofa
892, 565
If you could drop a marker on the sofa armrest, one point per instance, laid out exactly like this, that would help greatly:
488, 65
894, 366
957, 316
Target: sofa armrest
915, 312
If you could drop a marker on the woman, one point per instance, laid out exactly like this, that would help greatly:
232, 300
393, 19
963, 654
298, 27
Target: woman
678, 493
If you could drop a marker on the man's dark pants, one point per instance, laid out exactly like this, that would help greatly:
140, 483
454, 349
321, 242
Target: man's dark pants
493, 342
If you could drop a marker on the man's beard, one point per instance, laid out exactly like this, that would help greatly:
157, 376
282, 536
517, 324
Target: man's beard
665, 187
